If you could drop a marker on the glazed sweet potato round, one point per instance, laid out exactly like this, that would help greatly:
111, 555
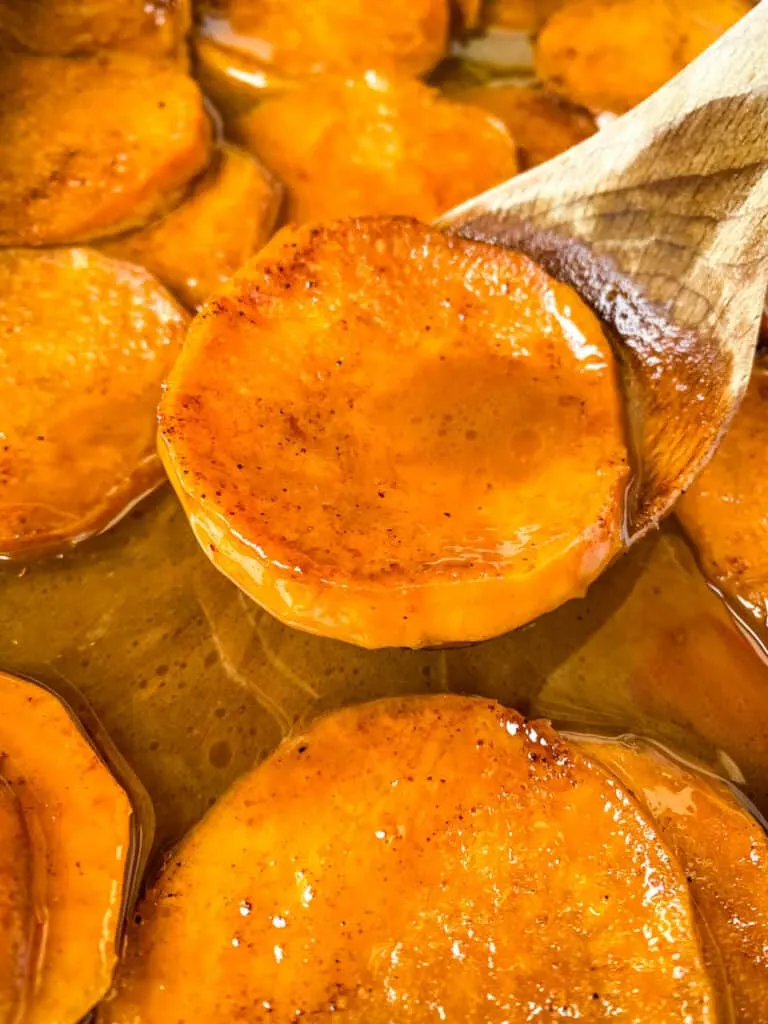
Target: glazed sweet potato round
17, 908
723, 851
196, 247
358, 147
301, 37
83, 847
541, 123
157, 27
418, 858
725, 511
610, 54
85, 342
113, 144
396, 437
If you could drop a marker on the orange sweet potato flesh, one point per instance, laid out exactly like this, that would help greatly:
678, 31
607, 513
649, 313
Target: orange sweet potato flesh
85, 819
114, 143
418, 858
85, 342
723, 851
393, 436
16, 908
358, 147
609, 55
725, 511
301, 37
542, 124
195, 248
157, 27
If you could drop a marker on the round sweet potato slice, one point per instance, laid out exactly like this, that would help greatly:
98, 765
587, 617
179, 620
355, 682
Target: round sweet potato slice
112, 145
541, 123
409, 855
609, 55
723, 851
303, 37
85, 342
157, 27
393, 436
359, 147
16, 908
195, 248
85, 820
725, 511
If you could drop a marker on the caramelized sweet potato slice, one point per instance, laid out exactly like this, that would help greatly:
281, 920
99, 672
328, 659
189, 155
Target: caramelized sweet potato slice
725, 512
723, 851
397, 437
196, 247
376, 146
610, 54
409, 855
110, 144
157, 27
541, 123
85, 818
85, 342
301, 37
16, 909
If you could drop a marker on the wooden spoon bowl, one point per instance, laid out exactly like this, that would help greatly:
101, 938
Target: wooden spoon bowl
661, 223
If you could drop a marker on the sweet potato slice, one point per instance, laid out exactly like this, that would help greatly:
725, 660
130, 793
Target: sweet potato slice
85, 342
406, 855
157, 27
609, 55
16, 908
113, 144
196, 247
376, 146
397, 437
541, 123
301, 37
724, 853
725, 512
85, 818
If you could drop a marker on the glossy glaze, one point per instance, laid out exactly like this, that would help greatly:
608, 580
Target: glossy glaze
85, 343
725, 512
376, 145
386, 476
406, 859
195, 248
114, 144
80, 858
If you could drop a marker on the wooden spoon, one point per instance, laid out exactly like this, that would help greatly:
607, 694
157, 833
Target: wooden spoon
660, 222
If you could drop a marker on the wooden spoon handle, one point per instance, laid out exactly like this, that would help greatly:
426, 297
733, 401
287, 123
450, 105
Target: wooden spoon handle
661, 223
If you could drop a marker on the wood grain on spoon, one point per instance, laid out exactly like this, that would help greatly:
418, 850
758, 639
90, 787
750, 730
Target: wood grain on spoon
661, 223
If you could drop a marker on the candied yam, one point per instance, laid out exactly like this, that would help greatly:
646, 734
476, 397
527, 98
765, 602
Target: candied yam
723, 851
411, 854
16, 908
376, 146
85, 820
85, 342
301, 37
725, 511
157, 27
542, 124
113, 144
610, 54
195, 248
398, 437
